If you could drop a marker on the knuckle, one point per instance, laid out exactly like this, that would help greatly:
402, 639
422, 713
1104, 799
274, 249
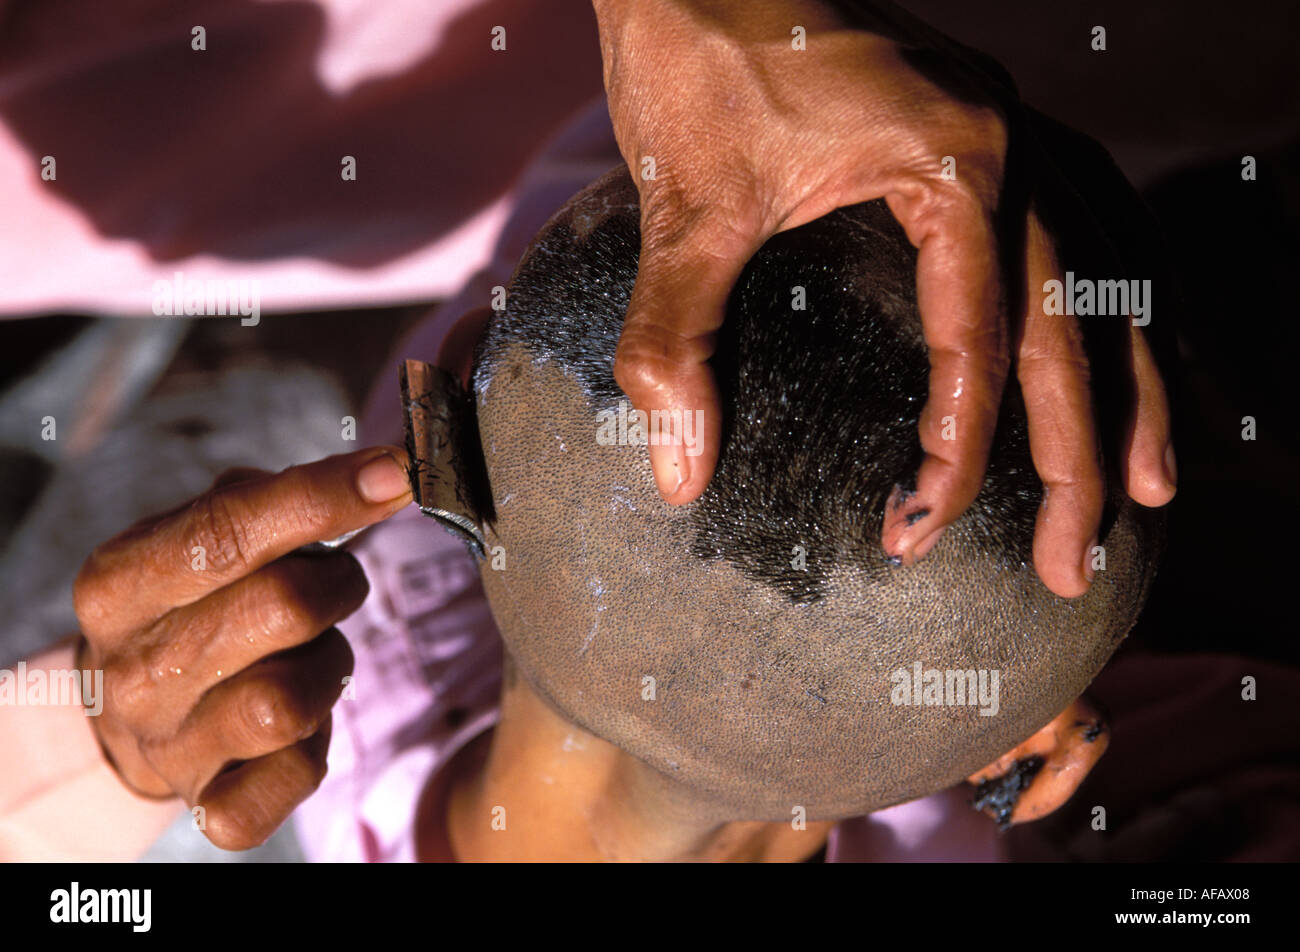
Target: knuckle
1054, 358
271, 715
644, 353
284, 611
219, 531
129, 689
963, 199
301, 504
1075, 476
653, 354
88, 597
155, 659
153, 748
962, 211
298, 598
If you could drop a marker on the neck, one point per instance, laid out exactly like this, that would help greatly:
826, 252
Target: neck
548, 790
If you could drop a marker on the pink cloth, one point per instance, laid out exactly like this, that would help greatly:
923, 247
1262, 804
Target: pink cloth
426, 682
225, 164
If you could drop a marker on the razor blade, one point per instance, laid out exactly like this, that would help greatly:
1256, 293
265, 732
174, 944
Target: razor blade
432, 410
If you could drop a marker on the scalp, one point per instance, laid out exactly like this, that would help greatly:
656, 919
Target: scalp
771, 679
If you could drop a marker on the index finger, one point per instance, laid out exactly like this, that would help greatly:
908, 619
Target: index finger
231, 531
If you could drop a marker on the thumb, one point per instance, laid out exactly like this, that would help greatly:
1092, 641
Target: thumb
669, 333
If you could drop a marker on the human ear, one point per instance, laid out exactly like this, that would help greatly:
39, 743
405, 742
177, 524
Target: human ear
1041, 773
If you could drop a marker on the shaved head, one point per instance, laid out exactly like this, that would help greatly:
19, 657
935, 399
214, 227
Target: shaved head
750, 644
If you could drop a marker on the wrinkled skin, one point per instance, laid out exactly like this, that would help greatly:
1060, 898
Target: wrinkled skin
219, 675
751, 137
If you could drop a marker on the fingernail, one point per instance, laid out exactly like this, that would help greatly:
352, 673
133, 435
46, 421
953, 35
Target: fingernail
1171, 465
671, 469
1088, 572
382, 479
903, 512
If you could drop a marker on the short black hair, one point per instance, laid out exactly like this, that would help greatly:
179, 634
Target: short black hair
820, 403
